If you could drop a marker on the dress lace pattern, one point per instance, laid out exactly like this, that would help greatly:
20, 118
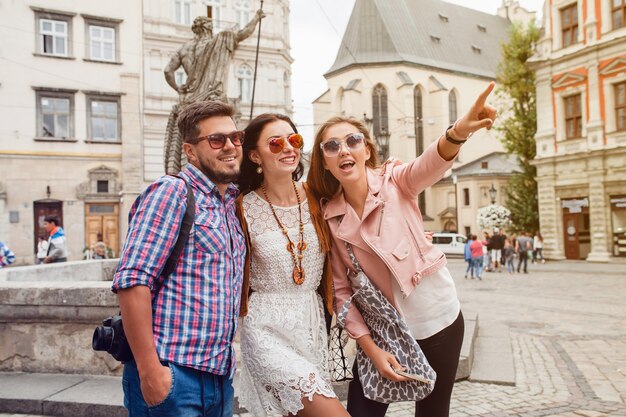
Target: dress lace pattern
283, 337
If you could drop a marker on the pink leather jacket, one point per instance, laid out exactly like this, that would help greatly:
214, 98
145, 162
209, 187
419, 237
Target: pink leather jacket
391, 226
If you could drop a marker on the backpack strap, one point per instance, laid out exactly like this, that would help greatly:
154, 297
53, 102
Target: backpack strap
183, 235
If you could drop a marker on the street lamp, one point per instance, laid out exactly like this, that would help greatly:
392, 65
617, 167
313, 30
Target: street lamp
383, 143
492, 194
368, 122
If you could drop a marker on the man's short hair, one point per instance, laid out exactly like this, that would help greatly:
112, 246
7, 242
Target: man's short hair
51, 219
193, 114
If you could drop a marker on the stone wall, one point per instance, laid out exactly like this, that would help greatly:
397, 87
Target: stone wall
47, 325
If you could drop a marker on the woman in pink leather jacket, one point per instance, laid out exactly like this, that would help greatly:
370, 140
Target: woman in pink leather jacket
374, 208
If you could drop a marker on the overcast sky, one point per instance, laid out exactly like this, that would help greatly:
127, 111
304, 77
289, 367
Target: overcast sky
317, 27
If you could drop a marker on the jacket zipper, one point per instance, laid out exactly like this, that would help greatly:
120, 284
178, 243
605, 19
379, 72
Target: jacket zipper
382, 258
380, 221
415, 241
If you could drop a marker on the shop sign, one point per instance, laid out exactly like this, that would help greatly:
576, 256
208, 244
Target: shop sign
618, 202
575, 205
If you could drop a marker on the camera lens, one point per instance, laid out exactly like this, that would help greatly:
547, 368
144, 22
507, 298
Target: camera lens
102, 338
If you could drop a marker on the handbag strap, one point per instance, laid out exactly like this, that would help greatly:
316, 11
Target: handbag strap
355, 261
343, 311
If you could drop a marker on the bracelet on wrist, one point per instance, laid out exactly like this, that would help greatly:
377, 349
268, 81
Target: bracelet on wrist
451, 139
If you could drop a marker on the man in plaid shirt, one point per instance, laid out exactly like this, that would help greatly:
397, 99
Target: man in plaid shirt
182, 336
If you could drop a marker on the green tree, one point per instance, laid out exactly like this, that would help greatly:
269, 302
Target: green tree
517, 83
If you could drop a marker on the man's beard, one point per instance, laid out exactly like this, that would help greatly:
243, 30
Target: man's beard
216, 176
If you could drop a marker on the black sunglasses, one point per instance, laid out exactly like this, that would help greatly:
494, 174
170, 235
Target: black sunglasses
218, 140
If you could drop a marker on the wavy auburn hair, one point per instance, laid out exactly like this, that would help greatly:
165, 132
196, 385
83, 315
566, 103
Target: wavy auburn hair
321, 182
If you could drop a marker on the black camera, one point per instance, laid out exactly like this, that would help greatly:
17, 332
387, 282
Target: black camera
110, 338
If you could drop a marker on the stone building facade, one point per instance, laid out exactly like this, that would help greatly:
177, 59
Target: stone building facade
410, 69
580, 64
71, 108
85, 104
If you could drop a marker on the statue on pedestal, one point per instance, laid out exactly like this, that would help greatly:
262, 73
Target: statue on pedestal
205, 60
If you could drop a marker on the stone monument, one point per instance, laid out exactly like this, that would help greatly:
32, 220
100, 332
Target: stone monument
205, 59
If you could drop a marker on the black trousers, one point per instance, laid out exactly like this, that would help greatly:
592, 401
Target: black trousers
442, 351
523, 258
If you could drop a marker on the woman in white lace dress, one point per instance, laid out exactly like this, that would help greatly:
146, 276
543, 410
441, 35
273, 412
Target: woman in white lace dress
287, 284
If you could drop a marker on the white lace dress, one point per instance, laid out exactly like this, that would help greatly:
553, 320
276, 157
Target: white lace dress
283, 337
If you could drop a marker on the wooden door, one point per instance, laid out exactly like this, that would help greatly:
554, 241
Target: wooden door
101, 223
571, 231
41, 209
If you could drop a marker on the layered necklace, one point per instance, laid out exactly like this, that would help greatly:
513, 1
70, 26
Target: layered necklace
298, 271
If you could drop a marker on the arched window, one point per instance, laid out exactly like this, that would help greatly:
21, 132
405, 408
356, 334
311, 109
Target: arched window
244, 83
419, 137
379, 109
242, 8
452, 107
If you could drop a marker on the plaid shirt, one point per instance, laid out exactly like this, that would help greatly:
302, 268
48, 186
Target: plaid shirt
195, 313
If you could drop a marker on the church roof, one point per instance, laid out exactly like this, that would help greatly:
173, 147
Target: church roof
431, 33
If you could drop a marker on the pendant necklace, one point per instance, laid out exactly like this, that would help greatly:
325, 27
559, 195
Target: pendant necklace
298, 271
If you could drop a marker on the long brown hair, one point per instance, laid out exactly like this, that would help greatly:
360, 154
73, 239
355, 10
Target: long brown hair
322, 183
249, 179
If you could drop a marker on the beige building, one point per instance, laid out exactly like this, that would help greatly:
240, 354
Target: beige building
167, 25
410, 69
71, 108
85, 104
580, 64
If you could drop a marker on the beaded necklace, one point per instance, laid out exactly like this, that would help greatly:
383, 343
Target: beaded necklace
298, 271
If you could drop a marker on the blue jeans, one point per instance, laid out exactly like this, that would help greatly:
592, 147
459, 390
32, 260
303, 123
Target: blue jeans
193, 394
478, 266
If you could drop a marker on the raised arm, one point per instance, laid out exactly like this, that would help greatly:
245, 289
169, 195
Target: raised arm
430, 167
249, 28
479, 115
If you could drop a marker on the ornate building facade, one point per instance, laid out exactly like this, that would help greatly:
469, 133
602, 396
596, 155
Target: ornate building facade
410, 69
580, 64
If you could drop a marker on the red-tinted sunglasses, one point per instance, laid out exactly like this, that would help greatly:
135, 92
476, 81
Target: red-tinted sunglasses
277, 144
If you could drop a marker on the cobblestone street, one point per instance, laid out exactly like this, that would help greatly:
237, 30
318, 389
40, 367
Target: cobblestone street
567, 324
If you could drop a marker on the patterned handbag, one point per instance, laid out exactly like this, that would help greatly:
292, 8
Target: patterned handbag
339, 366
390, 333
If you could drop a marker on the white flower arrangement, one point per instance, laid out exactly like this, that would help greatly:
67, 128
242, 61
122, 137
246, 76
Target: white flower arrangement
492, 216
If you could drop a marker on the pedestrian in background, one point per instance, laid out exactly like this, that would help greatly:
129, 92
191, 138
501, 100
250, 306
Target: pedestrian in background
478, 255
509, 256
488, 261
468, 257
42, 249
99, 250
497, 244
523, 246
57, 243
7, 257
538, 247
